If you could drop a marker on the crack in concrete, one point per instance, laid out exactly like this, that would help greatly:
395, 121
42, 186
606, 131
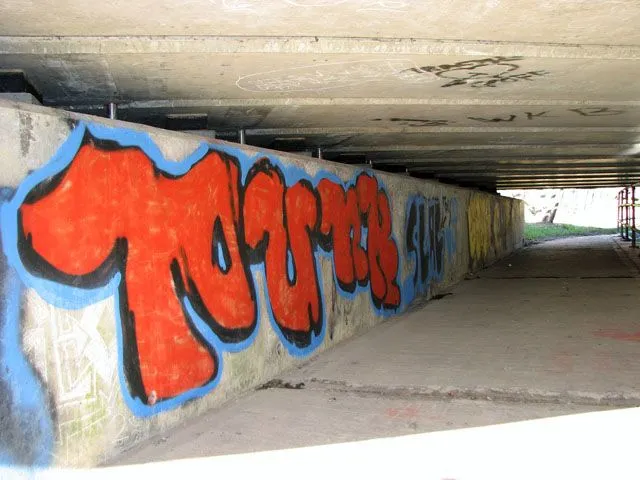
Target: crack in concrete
278, 383
492, 394
576, 277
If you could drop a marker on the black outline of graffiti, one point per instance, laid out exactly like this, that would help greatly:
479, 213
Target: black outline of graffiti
480, 79
511, 118
421, 122
596, 111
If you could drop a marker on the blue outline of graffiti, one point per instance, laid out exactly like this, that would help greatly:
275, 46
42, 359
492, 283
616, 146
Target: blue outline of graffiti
450, 233
410, 289
29, 395
65, 296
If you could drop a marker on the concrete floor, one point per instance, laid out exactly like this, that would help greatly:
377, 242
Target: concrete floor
549, 331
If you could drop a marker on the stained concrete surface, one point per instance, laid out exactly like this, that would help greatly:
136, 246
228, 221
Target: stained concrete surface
510, 344
582, 257
537, 94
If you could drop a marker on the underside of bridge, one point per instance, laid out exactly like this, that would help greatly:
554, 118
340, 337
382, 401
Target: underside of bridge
489, 94
148, 276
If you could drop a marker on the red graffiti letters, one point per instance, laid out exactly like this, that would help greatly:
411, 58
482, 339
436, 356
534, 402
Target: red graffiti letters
381, 249
184, 245
342, 226
111, 206
282, 220
344, 213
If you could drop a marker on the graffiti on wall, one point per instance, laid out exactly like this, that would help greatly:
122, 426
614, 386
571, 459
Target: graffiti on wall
75, 353
491, 222
180, 245
480, 219
484, 72
329, 76
430, 240
24, 414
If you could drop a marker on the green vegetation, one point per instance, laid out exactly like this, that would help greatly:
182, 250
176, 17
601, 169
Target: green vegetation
537, 232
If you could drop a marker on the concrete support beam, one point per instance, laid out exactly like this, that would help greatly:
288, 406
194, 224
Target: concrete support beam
185, 44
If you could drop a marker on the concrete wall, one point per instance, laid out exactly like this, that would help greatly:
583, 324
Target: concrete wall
149, 276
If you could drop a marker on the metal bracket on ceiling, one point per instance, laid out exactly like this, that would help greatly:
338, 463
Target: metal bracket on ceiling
112, 110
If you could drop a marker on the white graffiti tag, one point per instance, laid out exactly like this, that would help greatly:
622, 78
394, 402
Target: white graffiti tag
331, 75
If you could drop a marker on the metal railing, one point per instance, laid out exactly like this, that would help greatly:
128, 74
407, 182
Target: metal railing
627, 214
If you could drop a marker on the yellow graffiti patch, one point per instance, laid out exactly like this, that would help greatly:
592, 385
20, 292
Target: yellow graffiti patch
480, 219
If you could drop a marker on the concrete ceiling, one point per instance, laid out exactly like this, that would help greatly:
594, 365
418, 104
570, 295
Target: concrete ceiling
495, 94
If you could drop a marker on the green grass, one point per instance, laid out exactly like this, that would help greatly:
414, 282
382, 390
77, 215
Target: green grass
537, 232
